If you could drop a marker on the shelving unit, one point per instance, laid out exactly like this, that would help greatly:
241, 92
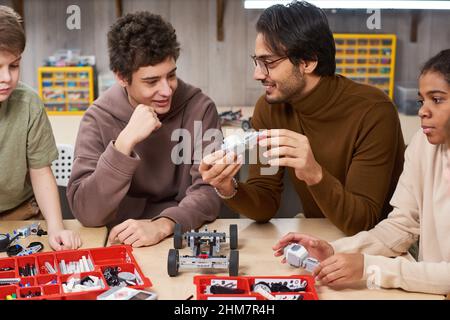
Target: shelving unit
66, 90
367, 58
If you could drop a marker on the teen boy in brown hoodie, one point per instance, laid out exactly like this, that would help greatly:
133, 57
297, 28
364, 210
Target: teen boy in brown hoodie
124, 174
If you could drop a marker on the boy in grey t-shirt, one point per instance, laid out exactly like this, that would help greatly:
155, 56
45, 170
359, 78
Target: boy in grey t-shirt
27, 145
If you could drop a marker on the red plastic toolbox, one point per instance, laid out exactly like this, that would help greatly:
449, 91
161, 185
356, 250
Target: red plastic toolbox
246, 284
37, 283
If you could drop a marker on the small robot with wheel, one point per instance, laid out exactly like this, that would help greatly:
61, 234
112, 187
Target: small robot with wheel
235, 118
205, 247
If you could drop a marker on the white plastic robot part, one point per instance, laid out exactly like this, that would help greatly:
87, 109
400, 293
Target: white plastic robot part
231, 142
50, 268
239, 144
310, 264
295, 254
264, 293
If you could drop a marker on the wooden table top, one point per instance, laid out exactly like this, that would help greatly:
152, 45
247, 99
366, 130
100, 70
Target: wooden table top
256, 259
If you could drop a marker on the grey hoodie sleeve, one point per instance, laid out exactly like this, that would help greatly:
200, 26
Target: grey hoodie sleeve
100, 176
201, 203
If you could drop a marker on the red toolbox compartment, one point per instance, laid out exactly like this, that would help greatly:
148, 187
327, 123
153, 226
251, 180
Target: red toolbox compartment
8, 291
37, 282
44, 258
280, 287
237, 283
50, 290
112, 255
7, 264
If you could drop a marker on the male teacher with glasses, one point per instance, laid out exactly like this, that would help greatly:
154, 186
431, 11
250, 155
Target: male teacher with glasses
340, 141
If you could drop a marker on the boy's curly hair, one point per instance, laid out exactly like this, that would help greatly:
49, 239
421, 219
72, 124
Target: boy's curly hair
138, 40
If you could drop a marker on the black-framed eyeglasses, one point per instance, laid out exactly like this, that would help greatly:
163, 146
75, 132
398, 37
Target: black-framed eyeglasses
264, 65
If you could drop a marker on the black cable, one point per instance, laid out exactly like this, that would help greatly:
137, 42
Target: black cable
13, 250
4, 242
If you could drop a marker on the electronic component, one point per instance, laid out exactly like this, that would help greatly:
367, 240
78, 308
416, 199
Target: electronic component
217, 289
22, 232
88, 283
296, 255
32, 248
239, 144
34, 228
262, 286
267, 287
281, 285
115, 278
125, 293
263, 291
127, 277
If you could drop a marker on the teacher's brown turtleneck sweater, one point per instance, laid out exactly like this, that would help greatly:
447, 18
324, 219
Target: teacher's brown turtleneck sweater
355, 135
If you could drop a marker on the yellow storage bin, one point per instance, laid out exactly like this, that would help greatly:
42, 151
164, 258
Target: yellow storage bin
367, 58
66, 90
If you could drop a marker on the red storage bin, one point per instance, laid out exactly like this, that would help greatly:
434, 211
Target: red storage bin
45, 285
7, 291
112, 255
7, 264
247, 283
